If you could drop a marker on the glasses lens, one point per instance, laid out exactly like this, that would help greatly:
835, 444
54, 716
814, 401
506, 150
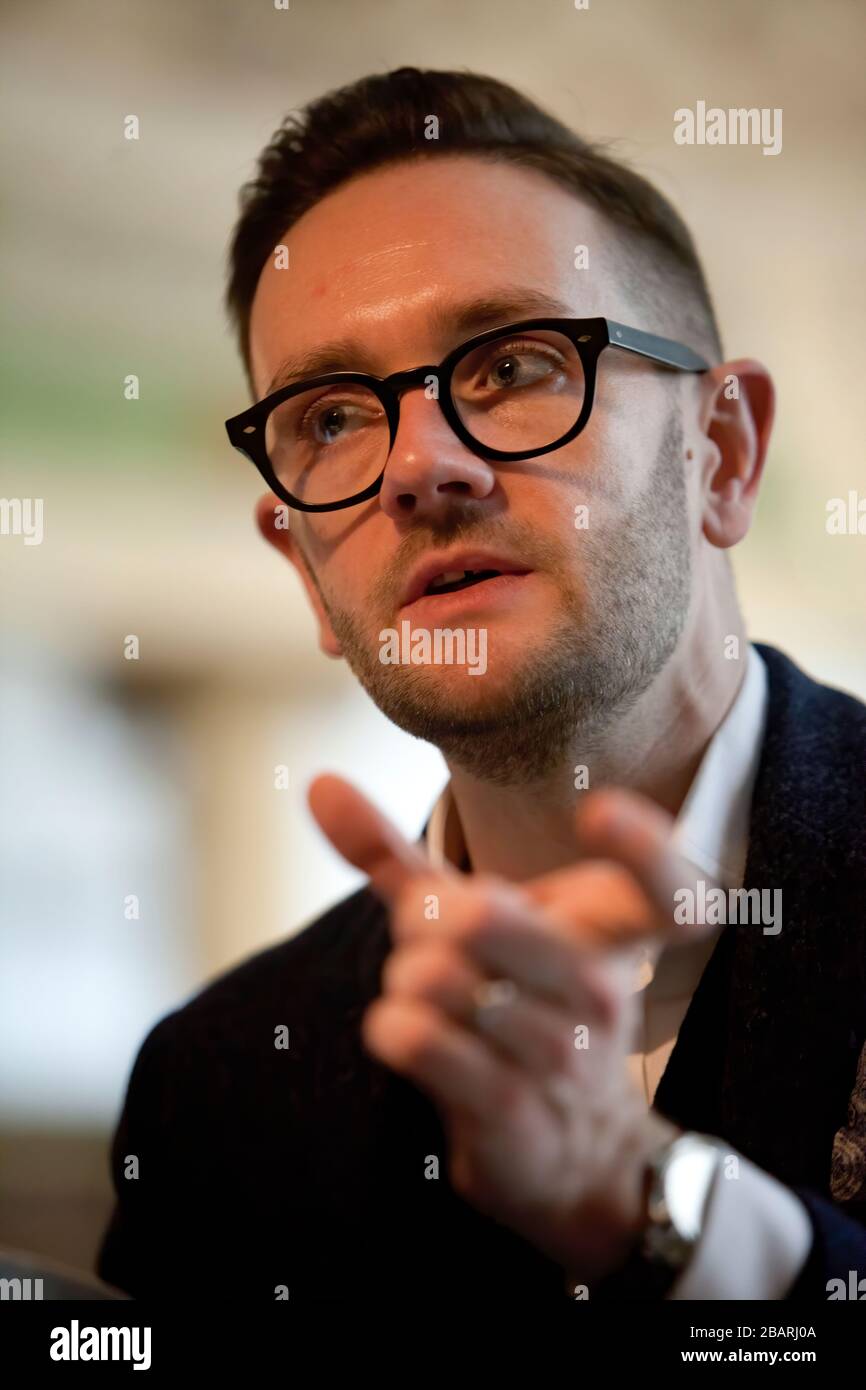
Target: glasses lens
521, 391
328, 443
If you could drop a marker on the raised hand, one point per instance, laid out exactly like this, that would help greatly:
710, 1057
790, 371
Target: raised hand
512, 1007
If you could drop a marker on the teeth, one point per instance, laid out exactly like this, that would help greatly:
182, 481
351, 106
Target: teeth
454, 577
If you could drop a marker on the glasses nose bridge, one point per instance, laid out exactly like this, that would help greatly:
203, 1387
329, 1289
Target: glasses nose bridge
401, 382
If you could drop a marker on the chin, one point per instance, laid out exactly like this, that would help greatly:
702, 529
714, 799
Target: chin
456, 696
468, 667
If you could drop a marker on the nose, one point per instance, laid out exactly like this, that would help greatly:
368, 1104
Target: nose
429, 468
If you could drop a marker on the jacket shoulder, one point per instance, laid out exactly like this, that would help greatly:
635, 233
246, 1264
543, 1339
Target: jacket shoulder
334, 961
802, 694
814, 754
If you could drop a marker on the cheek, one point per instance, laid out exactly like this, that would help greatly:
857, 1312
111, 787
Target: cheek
345, 555
314, 542
626, 447
586, 483
330, 539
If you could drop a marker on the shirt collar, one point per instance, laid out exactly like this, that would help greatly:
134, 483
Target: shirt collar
712, 828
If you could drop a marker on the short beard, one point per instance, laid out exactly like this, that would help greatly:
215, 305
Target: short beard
615, 634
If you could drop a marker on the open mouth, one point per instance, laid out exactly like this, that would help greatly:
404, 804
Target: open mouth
458, 579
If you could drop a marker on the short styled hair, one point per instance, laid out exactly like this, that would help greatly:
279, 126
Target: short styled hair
384, 119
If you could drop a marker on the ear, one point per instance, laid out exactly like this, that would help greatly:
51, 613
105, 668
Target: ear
736, 420
272, 516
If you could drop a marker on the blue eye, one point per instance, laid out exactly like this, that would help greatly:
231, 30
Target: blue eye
329, 423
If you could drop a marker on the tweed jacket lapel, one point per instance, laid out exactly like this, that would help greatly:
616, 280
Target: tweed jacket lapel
767, 1056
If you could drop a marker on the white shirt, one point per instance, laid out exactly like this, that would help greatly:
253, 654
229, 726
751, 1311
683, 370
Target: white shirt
757, 1234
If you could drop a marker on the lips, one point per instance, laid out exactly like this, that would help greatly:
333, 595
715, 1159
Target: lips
459, 579
443, 574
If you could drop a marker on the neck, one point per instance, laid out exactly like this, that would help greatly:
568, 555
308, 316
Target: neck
655, 748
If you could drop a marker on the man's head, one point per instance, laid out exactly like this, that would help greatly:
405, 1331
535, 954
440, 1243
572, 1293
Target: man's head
402, 246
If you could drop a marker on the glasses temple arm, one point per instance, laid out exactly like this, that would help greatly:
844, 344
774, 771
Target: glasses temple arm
663, 350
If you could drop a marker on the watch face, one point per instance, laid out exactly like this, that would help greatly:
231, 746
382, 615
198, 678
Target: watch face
688, 1180
684, 1175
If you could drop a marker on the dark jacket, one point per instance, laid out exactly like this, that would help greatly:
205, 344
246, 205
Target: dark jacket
307, 1167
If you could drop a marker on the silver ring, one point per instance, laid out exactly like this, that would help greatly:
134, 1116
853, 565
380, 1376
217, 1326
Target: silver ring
489, 998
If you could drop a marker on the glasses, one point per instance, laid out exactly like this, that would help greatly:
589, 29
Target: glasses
512, 393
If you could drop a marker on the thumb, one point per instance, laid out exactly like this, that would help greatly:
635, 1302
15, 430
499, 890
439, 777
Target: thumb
637, 834
365, 836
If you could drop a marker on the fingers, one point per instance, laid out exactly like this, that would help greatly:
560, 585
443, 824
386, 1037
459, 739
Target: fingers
597, 902
364, 836
636, 833
529, 1032
456, 1068
623, 889
500, 930
433, 971
502, 933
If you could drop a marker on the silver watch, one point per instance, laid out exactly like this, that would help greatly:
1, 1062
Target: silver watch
682, 1174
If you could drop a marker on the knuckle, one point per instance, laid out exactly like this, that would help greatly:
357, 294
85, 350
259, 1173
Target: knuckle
423, 970
434, 977
420, 1043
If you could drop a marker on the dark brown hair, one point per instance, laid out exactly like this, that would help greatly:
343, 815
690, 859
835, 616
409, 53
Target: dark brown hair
382, 119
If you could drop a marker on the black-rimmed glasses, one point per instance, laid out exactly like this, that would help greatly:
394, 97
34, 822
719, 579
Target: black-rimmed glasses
514, 392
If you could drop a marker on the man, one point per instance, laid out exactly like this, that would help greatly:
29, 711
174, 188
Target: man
529, 1060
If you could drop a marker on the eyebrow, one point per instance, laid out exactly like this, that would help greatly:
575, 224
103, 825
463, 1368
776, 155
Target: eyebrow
455, 319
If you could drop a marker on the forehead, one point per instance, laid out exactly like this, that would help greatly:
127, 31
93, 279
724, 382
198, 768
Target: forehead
380, 258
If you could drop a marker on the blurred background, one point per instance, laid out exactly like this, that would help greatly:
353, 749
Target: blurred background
144, 846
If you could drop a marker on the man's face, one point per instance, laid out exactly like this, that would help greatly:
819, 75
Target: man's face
391, 261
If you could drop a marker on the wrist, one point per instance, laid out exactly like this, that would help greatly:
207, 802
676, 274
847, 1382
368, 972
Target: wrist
681, 1176
612, 1225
